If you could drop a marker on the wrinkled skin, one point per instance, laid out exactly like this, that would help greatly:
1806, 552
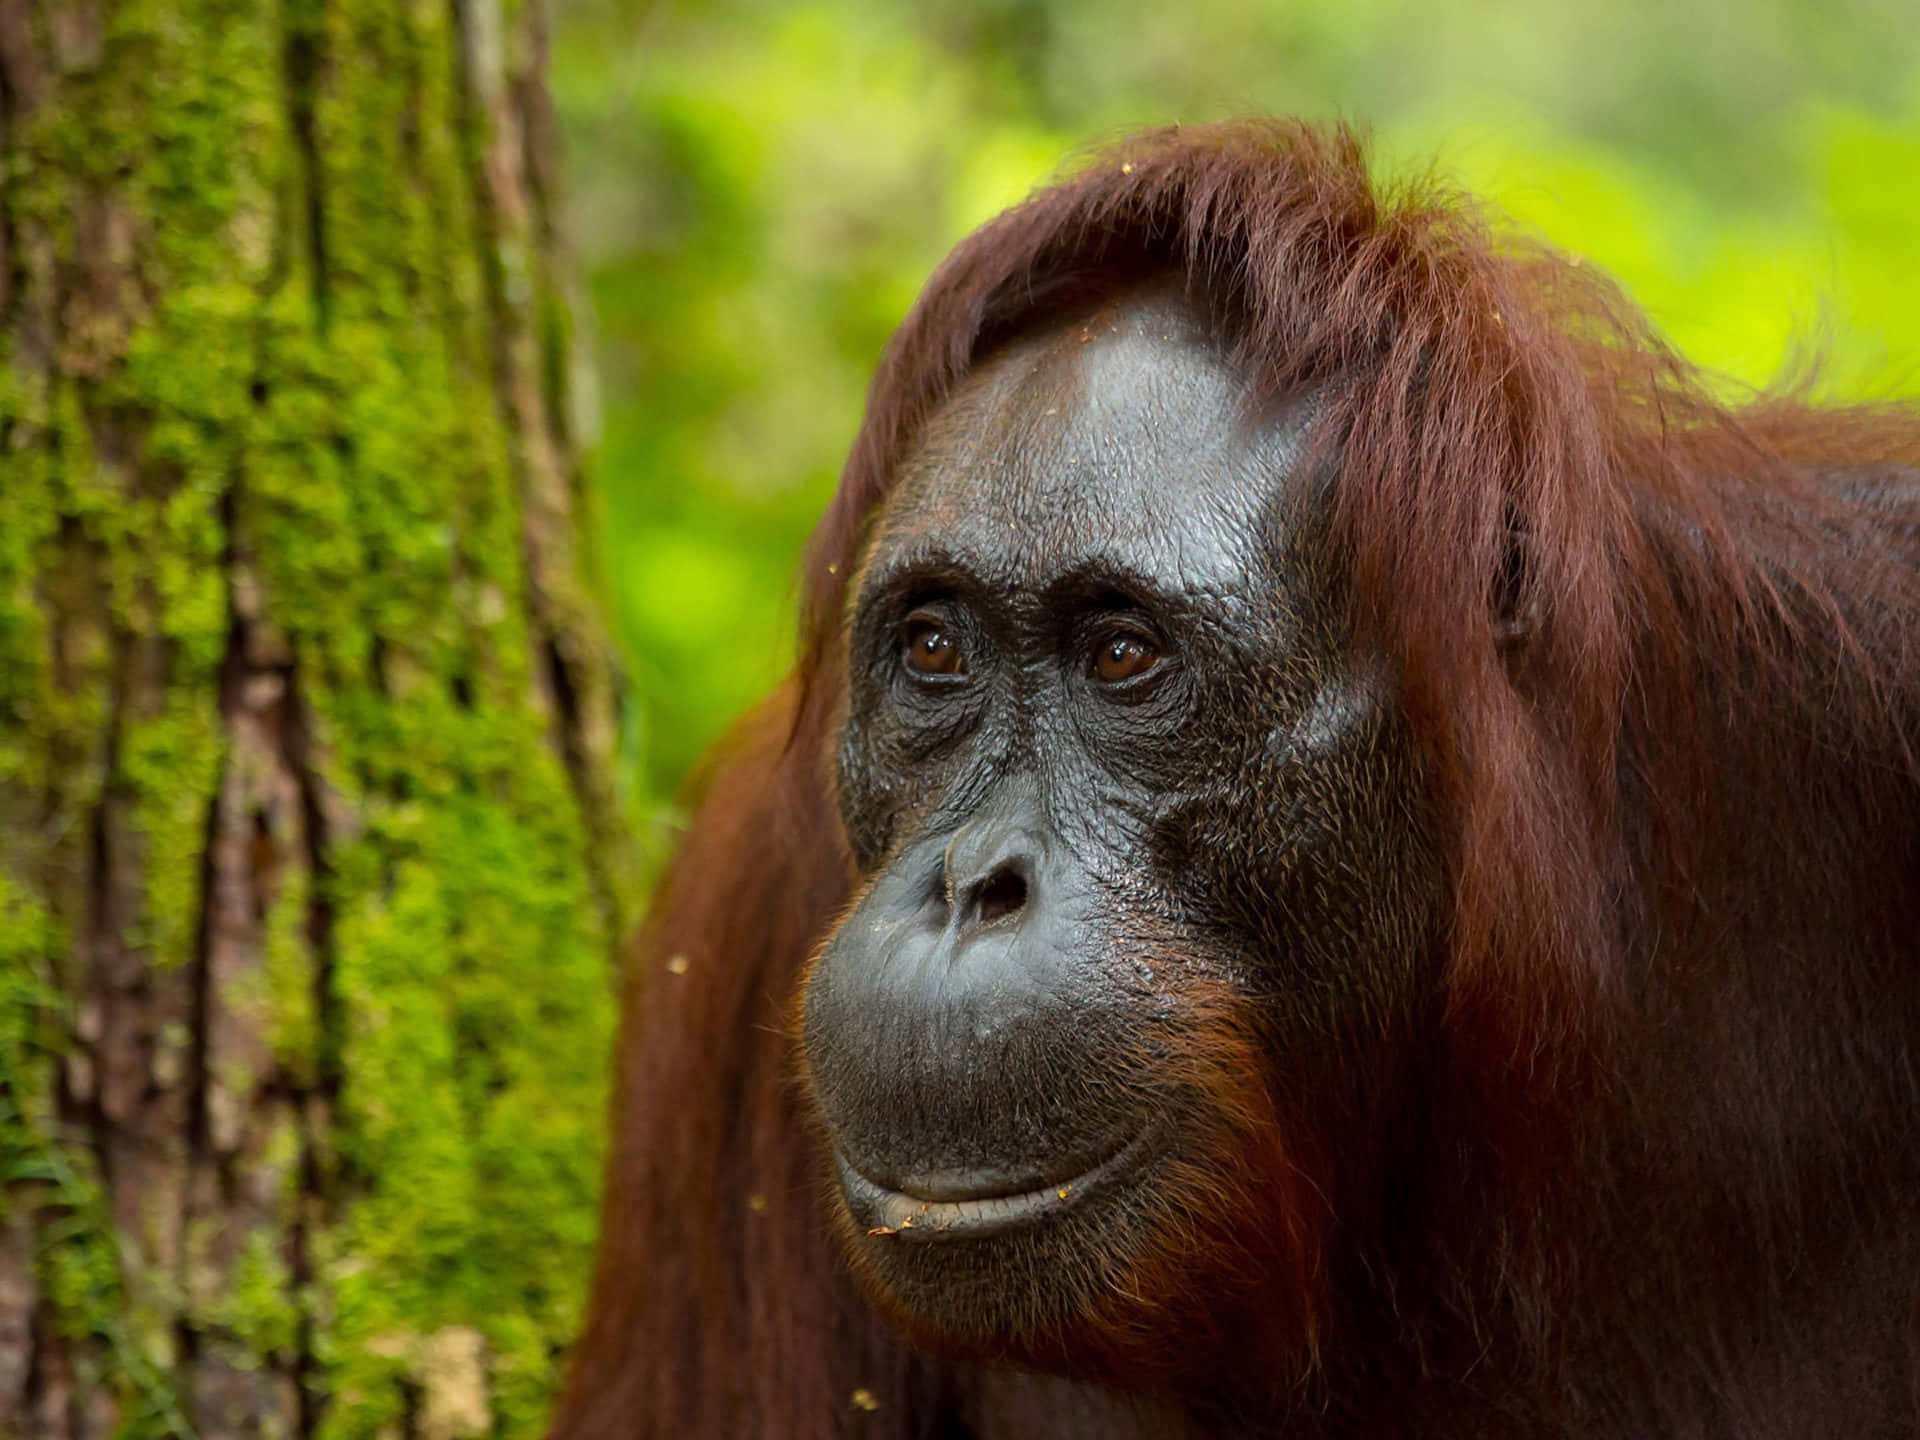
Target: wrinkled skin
1115, 782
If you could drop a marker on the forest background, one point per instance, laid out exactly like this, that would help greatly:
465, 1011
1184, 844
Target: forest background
316, 777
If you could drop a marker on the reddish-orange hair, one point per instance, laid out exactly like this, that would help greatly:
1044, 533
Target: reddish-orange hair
1516, 452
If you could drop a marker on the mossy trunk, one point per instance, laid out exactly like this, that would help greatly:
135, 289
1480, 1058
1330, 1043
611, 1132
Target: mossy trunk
310, 856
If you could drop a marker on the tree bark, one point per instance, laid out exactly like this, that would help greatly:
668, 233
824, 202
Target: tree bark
311, 865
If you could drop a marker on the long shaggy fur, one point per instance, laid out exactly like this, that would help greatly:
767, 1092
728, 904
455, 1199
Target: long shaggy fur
1711, 705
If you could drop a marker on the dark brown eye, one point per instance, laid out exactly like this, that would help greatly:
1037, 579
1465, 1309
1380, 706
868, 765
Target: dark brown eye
930, 650
1121, 657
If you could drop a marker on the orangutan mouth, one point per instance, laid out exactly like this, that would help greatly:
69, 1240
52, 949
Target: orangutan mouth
972, 1207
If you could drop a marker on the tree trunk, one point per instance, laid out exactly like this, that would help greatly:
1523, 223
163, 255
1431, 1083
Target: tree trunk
310, 856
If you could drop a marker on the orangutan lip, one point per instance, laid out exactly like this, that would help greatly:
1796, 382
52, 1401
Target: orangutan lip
903, 1215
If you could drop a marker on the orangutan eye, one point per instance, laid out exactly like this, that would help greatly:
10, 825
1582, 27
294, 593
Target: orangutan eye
1122, 657
929, 649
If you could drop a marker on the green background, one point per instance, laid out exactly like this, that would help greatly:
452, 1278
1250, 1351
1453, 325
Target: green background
757, 191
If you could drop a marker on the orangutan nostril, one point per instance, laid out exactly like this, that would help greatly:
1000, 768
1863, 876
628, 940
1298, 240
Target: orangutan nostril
1000, 895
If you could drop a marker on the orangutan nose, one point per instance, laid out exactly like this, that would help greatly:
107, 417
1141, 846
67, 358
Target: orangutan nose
991, 867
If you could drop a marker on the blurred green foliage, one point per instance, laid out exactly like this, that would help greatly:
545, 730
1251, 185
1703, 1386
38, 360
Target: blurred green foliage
759, 189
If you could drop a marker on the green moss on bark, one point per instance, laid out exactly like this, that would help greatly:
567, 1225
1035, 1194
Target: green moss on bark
307, 891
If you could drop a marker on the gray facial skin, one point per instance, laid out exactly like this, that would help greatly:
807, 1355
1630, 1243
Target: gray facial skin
1058, 860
